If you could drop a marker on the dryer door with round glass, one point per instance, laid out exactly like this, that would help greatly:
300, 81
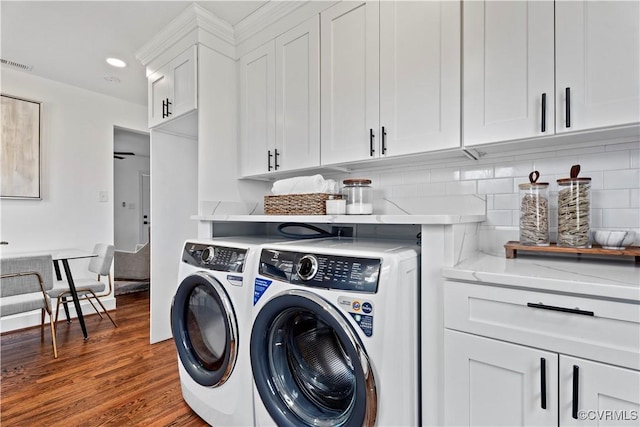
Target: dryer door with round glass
205, 329
309, 365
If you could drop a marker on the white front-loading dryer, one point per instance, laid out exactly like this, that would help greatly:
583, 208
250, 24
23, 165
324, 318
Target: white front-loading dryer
210, 321
335, 336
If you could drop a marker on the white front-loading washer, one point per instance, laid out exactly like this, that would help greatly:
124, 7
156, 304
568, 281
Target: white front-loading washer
335, 334
210, 321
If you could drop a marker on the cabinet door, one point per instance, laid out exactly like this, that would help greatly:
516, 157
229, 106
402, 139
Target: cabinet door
158, 93
508, 51
298, 97
257, 110
183, 72
349, 75
493, 383
594, 393
598, 59
419, 76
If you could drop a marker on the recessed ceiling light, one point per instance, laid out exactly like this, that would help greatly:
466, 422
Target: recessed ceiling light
116, 62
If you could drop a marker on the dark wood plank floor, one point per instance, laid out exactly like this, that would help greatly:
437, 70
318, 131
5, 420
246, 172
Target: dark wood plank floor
116, 378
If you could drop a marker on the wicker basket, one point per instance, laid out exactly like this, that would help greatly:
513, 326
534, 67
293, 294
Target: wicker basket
298, 204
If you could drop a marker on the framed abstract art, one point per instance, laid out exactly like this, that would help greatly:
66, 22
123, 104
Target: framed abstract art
20, 148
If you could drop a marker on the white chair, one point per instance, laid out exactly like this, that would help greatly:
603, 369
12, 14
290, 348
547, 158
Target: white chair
25, 281
89, 289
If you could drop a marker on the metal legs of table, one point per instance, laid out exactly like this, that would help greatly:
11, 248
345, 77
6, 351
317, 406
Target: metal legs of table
74, 294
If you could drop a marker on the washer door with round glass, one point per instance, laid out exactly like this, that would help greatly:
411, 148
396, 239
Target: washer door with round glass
205, 329
309, 366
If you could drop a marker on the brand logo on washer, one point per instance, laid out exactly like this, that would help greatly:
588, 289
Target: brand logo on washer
360, 311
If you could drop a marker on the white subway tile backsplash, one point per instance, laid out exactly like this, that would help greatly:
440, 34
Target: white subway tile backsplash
611, 160
621, 218
609, 199
623, 178
461, 187
506, 201
445, 175
431, 189
494, 186
500, 218
508, 170
407, 190
634, 198
416, 176
476, 172
614, 171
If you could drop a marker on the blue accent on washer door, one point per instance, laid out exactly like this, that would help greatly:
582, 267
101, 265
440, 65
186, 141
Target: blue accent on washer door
259, 287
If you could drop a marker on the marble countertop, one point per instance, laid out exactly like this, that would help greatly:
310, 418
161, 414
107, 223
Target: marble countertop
619, 279
349, 219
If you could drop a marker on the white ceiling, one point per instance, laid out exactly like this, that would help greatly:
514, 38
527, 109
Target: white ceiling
68, 41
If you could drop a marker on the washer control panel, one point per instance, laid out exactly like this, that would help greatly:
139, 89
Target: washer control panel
213, 257
321, 271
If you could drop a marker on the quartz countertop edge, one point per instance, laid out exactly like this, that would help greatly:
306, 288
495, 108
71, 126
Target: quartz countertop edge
616, 279
427, 219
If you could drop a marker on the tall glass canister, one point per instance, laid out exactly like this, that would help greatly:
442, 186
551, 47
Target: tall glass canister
574, 210
534, 211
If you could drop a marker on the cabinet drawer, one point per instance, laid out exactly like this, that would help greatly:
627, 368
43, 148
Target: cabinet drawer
592, 328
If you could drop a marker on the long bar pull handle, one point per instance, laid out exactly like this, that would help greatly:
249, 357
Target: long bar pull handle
543, 383
276, 160
168, 111
562, 309
371, 149
543, 128
164, 108
574, 404
269, 156
384, 140
567, 107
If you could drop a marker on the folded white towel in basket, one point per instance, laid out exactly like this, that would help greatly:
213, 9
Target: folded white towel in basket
305, 185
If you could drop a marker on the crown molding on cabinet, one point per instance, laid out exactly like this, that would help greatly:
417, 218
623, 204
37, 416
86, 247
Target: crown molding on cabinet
193, 18
264, 17
196, 17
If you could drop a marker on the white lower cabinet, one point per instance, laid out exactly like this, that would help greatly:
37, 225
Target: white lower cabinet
493, 383
516, 357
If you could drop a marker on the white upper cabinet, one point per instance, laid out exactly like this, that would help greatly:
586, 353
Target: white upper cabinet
598, 60
349, 81
389, 78
173, 88
524, 60
257, 110
419, 76
280, 103
508, 81
298, 96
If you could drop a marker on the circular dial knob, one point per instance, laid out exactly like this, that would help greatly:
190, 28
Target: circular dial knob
207, 255
307, 267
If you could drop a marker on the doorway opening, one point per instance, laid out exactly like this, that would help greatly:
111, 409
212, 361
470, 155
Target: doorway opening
132, 213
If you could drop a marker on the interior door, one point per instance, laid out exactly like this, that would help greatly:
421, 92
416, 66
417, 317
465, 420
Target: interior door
145, 207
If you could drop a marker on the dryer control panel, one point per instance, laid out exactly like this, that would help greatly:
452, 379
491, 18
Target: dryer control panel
213, 257
322, 271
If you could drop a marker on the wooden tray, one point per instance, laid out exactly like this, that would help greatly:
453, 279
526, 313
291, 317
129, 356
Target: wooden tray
512, 248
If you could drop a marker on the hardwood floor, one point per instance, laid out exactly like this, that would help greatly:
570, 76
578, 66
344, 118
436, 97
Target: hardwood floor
116, 378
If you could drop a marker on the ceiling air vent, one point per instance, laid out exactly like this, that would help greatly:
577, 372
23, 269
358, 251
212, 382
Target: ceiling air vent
17, 65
